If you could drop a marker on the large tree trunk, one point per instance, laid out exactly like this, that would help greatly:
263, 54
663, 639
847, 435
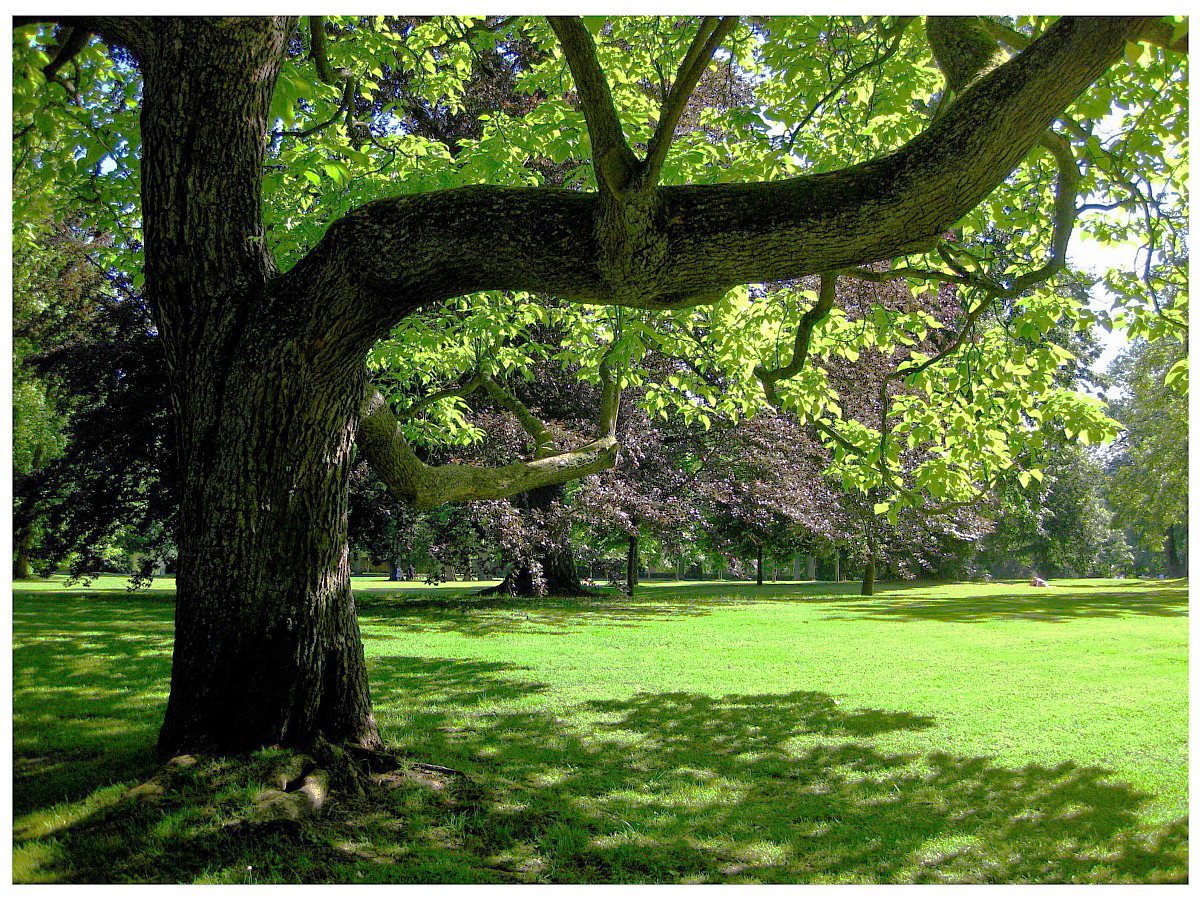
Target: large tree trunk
22, 545
758, 567
266, 389
558, 578
267, 647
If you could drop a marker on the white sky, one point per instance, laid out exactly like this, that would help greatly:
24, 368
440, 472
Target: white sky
1091, 256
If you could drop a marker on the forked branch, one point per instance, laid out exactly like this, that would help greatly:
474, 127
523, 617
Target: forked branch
708, 37
614, 162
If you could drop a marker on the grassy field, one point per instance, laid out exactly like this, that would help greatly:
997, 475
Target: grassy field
701, 733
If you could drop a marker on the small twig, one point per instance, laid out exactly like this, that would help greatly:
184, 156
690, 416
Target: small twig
464, 390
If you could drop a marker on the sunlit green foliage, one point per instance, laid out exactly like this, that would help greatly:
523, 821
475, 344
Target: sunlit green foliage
784, 96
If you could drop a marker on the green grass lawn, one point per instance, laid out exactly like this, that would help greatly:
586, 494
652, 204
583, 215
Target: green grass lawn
700, 733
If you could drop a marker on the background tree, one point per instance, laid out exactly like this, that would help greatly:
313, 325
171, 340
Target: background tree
1148, 490
1058, 527
90, 424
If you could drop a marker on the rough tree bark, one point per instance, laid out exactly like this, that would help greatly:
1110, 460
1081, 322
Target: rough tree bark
266, 369
266, 384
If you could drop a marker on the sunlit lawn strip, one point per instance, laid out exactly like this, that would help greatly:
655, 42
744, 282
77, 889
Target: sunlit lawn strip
703, 733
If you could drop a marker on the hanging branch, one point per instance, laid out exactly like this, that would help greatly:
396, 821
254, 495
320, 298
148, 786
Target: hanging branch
75, 40
809, 321
344, 108
1066, 195
319, 53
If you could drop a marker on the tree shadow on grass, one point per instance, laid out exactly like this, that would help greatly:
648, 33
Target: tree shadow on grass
787, 788
89, 689
476, 616
657, 787
1040, 604
480, 618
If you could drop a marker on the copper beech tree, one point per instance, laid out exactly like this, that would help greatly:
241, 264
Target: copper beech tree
266, 361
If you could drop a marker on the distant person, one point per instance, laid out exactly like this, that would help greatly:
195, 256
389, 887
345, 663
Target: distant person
1034, 581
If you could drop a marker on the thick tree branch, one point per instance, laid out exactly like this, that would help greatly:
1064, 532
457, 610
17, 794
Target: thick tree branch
708, 238
962, 48
135, 33
74, 41
1156, 32
610, 399
614, 162
1161, 34
320, 52
425, 486
543, 441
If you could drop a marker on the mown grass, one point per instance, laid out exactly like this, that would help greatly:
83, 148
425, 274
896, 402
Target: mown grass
701, 733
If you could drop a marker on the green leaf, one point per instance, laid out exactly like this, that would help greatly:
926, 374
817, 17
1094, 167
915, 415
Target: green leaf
1176, 374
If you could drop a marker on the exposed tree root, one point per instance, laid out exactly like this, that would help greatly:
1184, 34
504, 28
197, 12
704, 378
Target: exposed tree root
304, 782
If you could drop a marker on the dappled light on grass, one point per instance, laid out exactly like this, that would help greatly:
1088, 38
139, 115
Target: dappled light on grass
686, 787
788, 734
89, 688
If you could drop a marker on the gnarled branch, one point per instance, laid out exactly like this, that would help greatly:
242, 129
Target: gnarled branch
425, 486
543, 441
770, 377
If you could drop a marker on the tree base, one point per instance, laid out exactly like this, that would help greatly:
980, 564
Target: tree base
301, 784
521, 584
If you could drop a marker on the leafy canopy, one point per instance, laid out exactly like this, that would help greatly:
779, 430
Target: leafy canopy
364, 109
